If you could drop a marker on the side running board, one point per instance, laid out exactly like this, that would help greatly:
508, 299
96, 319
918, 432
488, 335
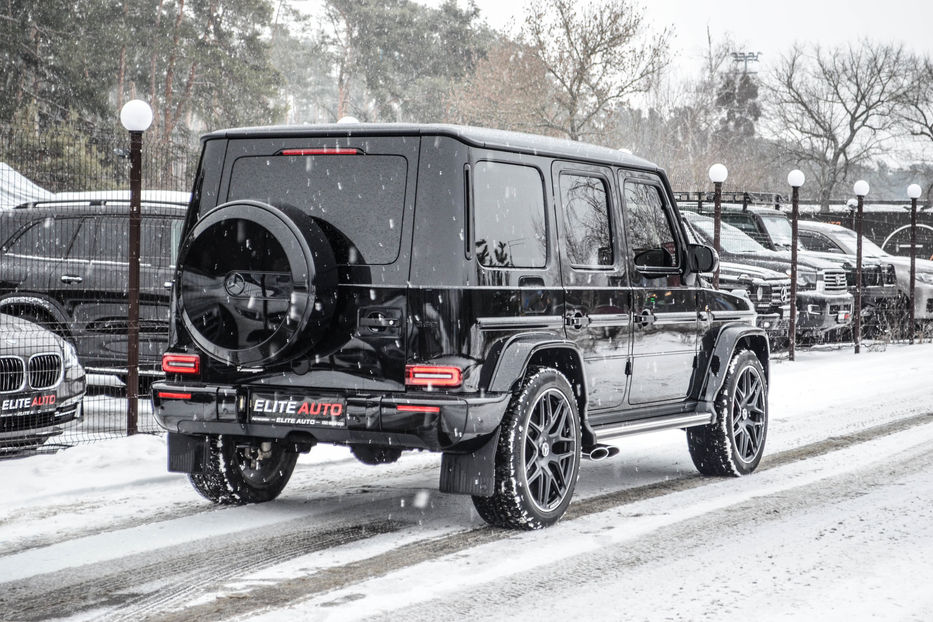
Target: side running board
654, 424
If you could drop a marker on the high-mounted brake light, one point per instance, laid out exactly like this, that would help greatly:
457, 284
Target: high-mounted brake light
433, 376
181, 363
320, 151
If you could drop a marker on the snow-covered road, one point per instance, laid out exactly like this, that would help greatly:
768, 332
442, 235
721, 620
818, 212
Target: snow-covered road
836, 524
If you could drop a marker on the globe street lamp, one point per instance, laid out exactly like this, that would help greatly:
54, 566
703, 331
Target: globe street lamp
136, 117
860, 189
717, 175
795, 179
913, 191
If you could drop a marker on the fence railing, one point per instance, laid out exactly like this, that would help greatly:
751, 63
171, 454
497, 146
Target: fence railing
64, 204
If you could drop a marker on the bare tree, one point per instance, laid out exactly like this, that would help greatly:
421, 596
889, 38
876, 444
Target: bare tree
832, 109
481, 99
596, 56
916, 109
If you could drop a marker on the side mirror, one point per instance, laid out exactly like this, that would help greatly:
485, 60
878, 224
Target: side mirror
703, 258
654, 258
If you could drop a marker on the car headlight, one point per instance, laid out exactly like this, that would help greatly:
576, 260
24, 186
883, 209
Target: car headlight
760, 293
806, 280
70, 355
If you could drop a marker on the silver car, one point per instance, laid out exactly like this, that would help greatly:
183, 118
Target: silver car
42, 384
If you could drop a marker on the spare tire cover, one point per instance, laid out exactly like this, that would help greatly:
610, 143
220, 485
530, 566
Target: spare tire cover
258, 283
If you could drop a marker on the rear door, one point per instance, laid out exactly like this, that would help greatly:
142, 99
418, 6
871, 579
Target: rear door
666, 325
598, 305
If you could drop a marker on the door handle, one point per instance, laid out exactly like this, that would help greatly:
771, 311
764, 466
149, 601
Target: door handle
71, 278
646, 318
576, 319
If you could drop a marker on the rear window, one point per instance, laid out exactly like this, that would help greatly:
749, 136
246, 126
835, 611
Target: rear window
357, 199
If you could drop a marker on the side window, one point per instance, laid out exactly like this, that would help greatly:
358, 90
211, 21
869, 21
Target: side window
646, 222
48, 238
83, 247
586, 234
155, 244
112, 242
508, 208
819, 243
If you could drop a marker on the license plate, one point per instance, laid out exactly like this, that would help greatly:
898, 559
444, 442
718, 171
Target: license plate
298, 410
842, 316
11, 406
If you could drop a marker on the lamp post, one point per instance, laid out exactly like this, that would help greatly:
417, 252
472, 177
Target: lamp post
860, 189
913, 191
795, 179
717, 175
136, 116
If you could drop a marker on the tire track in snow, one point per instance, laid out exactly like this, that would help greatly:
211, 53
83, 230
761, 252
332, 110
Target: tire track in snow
334, 578
137, 587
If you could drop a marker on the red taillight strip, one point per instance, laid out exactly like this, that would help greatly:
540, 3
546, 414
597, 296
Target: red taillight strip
181, 363
324, 151
413, 408
174, 396
433, 375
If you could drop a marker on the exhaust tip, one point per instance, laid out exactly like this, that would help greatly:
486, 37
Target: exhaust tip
601, 452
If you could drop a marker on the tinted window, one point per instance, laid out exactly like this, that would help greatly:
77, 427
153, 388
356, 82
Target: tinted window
357, 199
586, 220
112, 240
508, 204
47, 238
646, 220
156, 242
83, 245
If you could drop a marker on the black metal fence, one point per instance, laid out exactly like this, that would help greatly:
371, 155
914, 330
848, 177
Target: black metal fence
64, 204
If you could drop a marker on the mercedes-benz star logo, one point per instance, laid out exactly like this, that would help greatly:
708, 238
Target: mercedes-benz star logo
235, 283
783, 294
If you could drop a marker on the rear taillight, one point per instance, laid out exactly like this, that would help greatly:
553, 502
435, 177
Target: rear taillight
324, 151
181, 363
433, 376
169, 395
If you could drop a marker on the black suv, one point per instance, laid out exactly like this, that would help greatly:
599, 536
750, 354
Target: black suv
512, 301
63, 264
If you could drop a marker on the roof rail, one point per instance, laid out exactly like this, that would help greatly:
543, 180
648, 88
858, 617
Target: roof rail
745, 197
95, 203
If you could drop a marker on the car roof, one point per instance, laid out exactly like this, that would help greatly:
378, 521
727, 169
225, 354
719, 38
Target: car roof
478, 137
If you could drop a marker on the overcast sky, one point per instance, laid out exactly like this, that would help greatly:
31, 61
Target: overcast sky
768, 27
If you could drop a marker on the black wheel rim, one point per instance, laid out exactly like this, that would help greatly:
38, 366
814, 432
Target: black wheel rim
748, 415
261, 472
549, 450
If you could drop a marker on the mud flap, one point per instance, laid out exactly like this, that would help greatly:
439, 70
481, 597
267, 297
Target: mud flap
473, 473
186, 454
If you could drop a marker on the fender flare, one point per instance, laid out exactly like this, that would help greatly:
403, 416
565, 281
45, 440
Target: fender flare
516, 353
717, 359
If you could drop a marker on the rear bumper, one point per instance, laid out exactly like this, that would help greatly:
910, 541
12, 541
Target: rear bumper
426, 420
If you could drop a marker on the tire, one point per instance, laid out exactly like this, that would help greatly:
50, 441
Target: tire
538, 455
376, 454
733, 445
230, 477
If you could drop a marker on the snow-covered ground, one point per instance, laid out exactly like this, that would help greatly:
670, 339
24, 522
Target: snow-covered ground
836, 524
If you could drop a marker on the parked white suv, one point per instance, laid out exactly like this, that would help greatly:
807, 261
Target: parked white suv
820, 236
